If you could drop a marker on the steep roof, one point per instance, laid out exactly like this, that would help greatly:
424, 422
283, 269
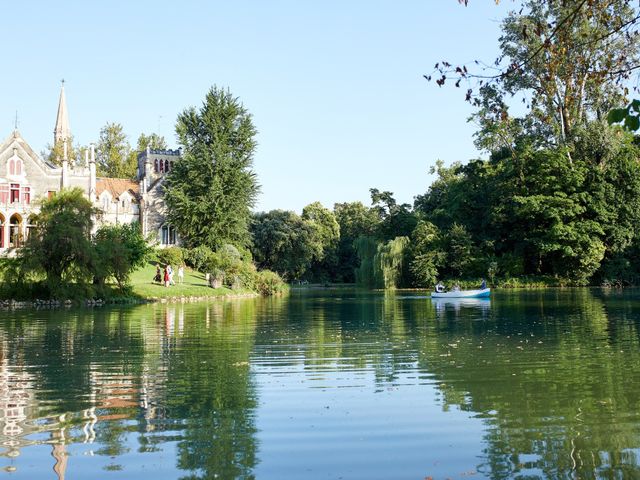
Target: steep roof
15, 139
117, 186
62, 130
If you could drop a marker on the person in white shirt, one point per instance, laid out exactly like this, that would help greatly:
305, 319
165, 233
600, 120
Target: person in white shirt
181, 274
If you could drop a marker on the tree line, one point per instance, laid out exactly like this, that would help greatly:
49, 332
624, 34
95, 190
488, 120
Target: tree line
557, 197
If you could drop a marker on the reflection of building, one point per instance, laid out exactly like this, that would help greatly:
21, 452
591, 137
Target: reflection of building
16, 397
115, 393
26, 178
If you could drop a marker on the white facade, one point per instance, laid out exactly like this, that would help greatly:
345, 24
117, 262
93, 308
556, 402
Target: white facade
25, 179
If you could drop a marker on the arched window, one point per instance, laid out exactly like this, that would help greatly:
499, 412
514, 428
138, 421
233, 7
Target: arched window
15, 231
166, 165
105, 203
31, 226
15, 166
155, 165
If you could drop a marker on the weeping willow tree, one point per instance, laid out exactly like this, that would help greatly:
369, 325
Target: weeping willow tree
388, 262
366, 249
380, 263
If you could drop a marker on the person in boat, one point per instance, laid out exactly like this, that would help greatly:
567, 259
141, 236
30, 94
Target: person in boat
483, 285
439, 287
456, 288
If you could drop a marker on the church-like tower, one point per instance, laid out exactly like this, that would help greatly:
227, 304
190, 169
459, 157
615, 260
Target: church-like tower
62, 131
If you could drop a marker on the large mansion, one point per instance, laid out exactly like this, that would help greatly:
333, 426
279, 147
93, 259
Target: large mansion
25, 178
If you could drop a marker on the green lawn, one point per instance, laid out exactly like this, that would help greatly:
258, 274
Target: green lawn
194, 285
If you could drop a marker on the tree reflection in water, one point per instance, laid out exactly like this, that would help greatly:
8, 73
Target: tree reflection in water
175, 374
553, 376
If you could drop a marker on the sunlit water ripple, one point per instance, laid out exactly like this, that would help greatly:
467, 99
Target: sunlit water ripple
326, 384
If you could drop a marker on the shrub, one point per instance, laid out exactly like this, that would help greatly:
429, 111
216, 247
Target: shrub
269, 283
212, 262
119, 250
170, 256
197, 257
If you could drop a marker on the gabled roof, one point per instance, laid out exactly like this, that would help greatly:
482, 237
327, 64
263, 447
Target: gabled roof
117, 186
15, 139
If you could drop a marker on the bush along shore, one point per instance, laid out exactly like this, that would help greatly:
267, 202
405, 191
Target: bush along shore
143, 289
25, 284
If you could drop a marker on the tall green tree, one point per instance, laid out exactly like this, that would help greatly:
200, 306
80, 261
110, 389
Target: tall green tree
54, 153
323, 267
211, 191
567, 61
381, 264
60, 246
396, 219
428, 258
355, 220
153, 141
113, 153
285, 243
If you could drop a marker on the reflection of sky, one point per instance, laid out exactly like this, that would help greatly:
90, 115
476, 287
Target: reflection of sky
84, 463
333, 424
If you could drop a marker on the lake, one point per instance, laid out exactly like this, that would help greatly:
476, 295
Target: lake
326, 384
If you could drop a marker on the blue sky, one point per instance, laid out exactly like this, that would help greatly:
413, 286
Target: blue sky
335, 87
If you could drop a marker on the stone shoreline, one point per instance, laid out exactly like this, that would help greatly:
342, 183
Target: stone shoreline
91, 303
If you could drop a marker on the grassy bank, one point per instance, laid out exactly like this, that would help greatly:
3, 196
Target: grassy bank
141, 288
194, 285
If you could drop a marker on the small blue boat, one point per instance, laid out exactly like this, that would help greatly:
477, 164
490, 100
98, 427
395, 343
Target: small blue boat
480, 293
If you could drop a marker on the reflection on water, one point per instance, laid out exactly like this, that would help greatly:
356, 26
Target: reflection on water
444, 305
327, 384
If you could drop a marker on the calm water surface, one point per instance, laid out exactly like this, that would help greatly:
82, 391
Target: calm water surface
326, 385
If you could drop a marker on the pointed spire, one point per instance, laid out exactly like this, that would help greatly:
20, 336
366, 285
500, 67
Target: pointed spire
62, 130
